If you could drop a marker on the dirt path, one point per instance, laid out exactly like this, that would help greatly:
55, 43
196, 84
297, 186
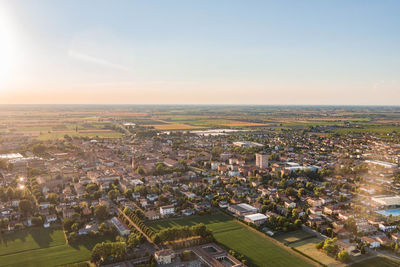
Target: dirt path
137, 228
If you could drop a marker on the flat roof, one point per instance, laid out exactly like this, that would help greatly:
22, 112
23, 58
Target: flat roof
387, 200
243, 207
383, 163
11, 156
256, 217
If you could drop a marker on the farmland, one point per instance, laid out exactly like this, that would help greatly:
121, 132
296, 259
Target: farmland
98, 121
233, 235
41, 247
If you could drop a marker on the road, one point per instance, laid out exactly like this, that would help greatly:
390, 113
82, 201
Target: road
137, 228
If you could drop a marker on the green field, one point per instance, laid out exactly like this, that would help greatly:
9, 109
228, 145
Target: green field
377, 261
29, 239
51, 256
380, 129
41, 247
292, 236
259, 250
307, 247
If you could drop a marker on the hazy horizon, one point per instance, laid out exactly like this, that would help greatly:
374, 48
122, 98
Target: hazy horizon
206, 52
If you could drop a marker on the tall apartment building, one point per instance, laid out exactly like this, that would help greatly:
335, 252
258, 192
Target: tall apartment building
262, 160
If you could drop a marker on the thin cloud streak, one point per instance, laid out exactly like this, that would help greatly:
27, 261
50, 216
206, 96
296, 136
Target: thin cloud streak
98, 61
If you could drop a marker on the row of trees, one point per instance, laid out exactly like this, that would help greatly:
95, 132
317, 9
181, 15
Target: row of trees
138, 221
35, 189
175, 233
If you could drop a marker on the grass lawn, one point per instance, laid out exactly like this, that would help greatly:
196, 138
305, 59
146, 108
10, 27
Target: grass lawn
377, 261
292, 236
258, 249
308, 247
42, 247
29, 239
51, 256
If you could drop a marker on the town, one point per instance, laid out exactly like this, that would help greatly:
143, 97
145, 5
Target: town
216, 197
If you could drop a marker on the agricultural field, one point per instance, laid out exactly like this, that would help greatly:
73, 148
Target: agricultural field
90, 134
233, 235
174, 126
50, 122
41, 247
56, 126
377, 261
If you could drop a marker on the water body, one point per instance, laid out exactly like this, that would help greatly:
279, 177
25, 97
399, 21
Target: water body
393, 212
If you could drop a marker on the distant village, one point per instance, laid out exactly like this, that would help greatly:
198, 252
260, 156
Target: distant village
344, 189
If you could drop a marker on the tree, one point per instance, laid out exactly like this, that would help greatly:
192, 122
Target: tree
309, 186
75, 227
92, 187
37, 221
39, 150
330, 246
319, 191
67, 223
264, 209
101, 212
319, 245
133, 241
113, 194
156, 239
53, 198
10, 193
140, 170
105, 250
343, 256
295, 214
25, 206
351, 225
301, 192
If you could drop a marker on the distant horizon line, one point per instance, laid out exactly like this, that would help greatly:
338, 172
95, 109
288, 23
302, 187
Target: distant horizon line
273, 105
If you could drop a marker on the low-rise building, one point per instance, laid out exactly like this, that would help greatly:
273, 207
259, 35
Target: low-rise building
164, 256
256, 218
121, 226
167, 210
242, 209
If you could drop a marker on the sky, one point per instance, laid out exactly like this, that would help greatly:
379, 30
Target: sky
343, 52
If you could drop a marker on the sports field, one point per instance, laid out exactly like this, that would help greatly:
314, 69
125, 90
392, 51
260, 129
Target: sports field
29, 239
41, 247
259, 250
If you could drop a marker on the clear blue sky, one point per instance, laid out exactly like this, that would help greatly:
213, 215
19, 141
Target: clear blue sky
214, 51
